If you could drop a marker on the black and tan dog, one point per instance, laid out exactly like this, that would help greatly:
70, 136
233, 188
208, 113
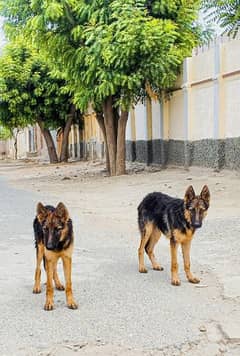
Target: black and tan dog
177, 219
53, 233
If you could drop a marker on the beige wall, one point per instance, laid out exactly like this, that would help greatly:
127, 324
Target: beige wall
232, 106
176, 116
202, 65
201, 117
207, 104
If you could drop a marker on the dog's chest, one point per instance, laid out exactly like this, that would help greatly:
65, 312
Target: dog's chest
181, 237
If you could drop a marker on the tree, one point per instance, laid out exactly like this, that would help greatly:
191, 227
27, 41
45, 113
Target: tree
113, 53
10, 133
29, 94
5, 133
225, 13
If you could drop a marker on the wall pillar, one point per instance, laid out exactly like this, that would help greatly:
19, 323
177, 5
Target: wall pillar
218, 106
78, 141
187, 111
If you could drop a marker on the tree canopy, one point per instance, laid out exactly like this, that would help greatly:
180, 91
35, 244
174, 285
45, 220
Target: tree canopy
224, 13
113, 53
29, 93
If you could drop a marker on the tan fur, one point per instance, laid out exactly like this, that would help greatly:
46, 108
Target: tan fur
52, 258
186, 258
37, 288
174, 264
149, 240
53, 219
198, 204
155, 236
144, 239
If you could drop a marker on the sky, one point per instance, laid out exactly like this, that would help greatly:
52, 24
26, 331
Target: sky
2, 41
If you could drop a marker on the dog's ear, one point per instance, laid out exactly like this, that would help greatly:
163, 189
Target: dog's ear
61, 211
189, 195
205, 194
41, 210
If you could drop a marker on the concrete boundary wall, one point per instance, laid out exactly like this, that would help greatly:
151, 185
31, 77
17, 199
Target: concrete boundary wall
200, 124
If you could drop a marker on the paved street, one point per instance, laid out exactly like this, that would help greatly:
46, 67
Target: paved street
121, 312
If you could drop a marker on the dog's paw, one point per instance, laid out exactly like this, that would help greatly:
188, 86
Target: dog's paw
72, 305
60, 287
158, 268
48, 306
143, 269
176, 282
194, 280
37, 290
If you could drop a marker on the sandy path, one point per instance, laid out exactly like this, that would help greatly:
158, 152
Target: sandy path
121, 311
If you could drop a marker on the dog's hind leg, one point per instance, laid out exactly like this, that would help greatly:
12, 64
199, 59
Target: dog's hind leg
155, 236
39, 257
57, 282
147, 231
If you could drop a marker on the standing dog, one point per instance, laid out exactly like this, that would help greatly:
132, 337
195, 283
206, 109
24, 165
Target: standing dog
53, 233
177, 219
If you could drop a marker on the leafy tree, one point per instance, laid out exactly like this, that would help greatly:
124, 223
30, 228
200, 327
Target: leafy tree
29, 94
5, 133
225, 13
112, 53
10, 133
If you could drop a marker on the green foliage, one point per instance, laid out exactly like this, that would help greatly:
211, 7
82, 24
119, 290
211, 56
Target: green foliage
110, 48
28, 91
5, 133
225, 13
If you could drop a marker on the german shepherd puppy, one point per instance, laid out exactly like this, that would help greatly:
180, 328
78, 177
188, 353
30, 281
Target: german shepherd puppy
177, 219
53, 233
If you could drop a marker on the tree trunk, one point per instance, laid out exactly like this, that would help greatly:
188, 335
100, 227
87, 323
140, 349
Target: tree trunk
100, 120
110, 134
121, 144
15, 147
66, 130
49, 142
15, 137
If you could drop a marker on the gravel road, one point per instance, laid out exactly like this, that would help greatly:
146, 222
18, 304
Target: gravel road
121, 312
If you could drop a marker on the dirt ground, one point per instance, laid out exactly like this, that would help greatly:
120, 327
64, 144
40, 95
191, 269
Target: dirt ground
122, 312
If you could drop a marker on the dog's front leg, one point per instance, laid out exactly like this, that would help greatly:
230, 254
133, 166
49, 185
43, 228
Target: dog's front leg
39, 257
186, 246
174, 263
49, 288
67, 266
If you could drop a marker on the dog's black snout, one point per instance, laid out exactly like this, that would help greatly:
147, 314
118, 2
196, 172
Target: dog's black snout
50, 246
197, 225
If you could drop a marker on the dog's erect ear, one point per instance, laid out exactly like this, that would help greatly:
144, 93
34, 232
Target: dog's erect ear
189, 195
41, 210
61, 211
205, 194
